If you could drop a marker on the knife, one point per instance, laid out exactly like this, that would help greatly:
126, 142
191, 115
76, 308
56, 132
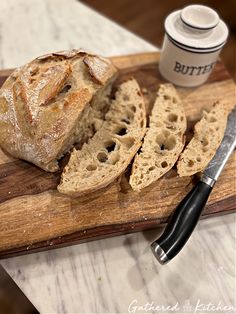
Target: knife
187, 213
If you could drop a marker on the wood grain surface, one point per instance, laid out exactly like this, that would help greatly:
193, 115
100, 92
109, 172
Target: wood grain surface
34, 216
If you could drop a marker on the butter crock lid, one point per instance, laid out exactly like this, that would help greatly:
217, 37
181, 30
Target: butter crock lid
196, 26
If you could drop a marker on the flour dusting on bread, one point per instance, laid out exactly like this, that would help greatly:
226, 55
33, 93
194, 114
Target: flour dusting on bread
45, 105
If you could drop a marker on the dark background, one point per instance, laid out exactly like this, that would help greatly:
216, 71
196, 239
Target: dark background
146, 19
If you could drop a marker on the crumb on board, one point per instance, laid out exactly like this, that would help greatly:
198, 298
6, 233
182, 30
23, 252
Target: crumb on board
144, 90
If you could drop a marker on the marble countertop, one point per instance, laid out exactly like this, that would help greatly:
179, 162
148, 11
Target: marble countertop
116, 275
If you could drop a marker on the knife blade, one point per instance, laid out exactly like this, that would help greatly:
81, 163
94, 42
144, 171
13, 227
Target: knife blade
187, 213
228, 144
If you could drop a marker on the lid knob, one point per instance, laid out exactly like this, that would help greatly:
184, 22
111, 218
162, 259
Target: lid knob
199, 17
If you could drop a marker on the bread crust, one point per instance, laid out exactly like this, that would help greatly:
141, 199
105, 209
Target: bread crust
42, 101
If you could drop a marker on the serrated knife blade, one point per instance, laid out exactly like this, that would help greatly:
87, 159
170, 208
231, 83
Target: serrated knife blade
225, 149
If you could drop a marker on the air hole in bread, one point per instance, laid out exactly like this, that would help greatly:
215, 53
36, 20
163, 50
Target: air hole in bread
65, 89
212, 119
128, 141
121, 132
151, 168
140, 106
190, 163
130, 116
166, 133
164, 164
141, 123
102, 157
91, 167
174, 100
171, 127
160, 139
126, 97
110, 146
125, 121
204, 141
170, 142
181, 118
172, 117
133, 108
166, 142
199, 159
166, 97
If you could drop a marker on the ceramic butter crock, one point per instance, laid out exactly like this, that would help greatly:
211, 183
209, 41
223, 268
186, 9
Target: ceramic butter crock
193, 40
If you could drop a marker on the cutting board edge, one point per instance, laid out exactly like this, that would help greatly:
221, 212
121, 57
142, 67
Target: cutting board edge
102, 232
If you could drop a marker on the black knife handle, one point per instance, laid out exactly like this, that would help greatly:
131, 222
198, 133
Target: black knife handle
182, 223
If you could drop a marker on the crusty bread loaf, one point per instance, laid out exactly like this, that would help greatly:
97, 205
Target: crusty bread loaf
44, 105
109, 152
163, 141
208, 134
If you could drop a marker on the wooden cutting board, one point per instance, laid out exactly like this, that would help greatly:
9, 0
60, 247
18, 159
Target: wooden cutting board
34, 216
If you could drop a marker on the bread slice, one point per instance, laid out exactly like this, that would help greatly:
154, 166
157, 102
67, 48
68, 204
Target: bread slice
208, 134
164, 139
109, 152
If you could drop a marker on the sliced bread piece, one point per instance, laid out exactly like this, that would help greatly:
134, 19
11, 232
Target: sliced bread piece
208, 134
164, 139
109, 152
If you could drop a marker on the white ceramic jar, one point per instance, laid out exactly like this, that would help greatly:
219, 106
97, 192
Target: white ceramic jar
193, 40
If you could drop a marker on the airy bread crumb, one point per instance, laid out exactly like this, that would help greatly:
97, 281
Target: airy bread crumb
110, 151
208, 134
164, 139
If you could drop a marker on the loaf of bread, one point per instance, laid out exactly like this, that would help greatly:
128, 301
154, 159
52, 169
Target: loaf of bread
163, 141
208, 134
53, 102
106, 156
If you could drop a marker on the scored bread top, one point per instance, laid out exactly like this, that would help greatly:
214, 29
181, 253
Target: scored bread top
109, 152
163, 141
208, 134
41, 103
